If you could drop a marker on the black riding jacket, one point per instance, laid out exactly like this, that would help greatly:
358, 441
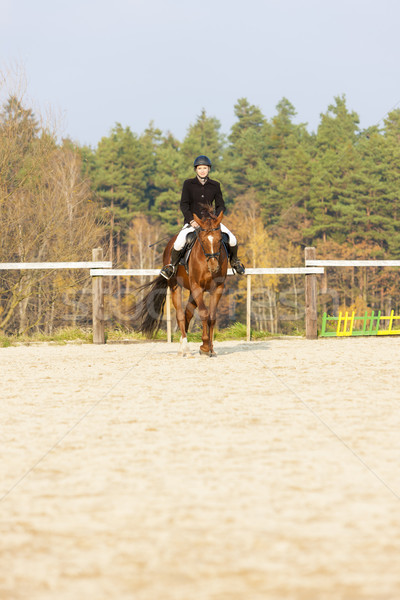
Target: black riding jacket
195, 196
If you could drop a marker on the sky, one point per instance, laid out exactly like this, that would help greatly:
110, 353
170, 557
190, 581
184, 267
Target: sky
95, 63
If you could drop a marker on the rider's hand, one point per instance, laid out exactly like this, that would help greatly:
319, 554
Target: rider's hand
194, 224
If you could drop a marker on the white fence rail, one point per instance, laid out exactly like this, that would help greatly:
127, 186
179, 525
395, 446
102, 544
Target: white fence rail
352, 263
103, 264
261, 271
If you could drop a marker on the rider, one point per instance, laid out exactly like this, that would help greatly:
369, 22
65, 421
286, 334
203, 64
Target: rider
196, 193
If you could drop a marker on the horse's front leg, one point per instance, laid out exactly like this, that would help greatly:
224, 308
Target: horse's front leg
190, 308
215, 297
197, 294
176, 295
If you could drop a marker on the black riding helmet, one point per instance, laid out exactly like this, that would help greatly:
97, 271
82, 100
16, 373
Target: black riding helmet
202, 160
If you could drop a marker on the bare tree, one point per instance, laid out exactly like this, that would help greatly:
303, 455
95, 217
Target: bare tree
46, 214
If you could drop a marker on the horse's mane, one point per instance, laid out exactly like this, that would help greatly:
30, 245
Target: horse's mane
208, 214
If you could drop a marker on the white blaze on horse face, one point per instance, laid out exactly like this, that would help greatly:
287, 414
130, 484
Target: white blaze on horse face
211, 240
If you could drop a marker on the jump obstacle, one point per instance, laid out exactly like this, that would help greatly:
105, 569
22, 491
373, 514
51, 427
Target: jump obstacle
347, 325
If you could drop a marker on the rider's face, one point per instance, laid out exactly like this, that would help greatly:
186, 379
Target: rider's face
202, 170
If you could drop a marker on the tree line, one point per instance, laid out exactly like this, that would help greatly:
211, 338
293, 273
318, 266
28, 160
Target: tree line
285, 188
339, 184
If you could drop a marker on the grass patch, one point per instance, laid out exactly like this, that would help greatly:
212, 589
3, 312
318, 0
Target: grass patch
5, 341
70, 334
236, 331
61, 336
120, 334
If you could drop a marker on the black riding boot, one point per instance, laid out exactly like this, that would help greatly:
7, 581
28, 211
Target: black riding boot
169, 270
235, 262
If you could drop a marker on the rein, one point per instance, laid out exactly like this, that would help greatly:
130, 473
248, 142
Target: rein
206, 254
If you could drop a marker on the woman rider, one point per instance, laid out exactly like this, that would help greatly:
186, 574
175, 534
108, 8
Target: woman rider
196, 193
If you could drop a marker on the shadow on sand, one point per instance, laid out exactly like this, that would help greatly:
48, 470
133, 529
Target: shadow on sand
221, 350
242, 347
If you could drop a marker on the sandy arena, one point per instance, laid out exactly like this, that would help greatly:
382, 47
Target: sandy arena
269, 472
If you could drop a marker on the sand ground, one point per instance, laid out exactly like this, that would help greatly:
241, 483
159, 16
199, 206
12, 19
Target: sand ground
269, 472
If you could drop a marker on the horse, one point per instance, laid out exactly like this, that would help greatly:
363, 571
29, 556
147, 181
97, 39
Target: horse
207, 270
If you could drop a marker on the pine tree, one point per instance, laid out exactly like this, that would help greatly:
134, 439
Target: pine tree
124, 167
286, 191
168, 183
370, 218
23, 144
151, 140
334, 174
244, 164
391, 207
203, 137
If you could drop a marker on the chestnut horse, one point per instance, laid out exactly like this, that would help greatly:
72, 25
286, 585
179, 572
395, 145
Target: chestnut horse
207, 266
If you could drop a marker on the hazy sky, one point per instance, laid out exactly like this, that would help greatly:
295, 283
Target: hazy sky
99, 62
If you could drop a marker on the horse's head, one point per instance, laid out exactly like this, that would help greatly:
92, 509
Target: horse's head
210, 238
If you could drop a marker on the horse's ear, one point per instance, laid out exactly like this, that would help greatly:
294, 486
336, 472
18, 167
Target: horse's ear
219, 218
197, 219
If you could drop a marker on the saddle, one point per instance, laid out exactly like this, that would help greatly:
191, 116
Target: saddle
190, 240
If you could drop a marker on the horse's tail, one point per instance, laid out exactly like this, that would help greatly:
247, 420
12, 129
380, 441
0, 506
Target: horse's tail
148, 312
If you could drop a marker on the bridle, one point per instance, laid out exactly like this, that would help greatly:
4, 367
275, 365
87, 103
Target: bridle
207, 254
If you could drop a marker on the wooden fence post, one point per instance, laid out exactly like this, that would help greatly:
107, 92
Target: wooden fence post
311, 298
248, 309
98, 301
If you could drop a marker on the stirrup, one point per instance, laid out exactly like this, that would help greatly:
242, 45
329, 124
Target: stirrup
167, 271
238, 267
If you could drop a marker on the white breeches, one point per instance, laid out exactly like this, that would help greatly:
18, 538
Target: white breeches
181, 239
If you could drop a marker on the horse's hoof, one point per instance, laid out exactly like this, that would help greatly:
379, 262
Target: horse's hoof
211, 354
203, 353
